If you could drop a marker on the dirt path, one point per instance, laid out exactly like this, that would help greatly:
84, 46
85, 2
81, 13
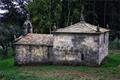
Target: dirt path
61, 73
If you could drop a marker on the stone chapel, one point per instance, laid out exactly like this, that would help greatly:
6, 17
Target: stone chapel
77, 44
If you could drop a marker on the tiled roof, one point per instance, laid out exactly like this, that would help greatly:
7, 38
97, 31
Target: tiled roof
36, 39
81, 27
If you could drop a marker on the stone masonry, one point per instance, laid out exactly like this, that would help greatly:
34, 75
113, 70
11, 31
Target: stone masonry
78, 44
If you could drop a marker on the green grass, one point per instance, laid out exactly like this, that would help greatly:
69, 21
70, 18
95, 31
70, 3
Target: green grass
115, 44
109, 70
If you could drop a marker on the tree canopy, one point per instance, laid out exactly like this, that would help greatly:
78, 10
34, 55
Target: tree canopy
47, 13
11, 21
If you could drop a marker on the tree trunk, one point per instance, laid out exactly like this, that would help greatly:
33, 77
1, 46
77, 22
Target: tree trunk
5, 50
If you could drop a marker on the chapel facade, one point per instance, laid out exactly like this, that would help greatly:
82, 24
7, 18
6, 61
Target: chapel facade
77, 44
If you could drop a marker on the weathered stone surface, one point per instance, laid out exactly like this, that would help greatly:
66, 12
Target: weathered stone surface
86, 49
81, 49
103, 46
26, 54
36, 39
74, 45
81, 43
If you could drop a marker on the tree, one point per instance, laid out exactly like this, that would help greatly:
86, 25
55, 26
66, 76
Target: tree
44, 14
16, 12
11, 23
7, 36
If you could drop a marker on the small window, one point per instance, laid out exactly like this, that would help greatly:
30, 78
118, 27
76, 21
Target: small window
104, 39
48, 54
30, 48
82, 56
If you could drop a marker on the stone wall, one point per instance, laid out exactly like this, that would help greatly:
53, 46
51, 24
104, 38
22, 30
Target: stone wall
103, 46
26, 54
73, 49
76, 49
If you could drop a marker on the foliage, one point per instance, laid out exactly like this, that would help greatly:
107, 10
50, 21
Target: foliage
16, 12
115, 44
44, 14
11, 22
7, 36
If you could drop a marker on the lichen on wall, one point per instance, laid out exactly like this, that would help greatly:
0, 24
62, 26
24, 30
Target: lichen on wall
25, 54
82, 49
22, 54
63, 42
37, 51
103, 46
69, 47
89, 43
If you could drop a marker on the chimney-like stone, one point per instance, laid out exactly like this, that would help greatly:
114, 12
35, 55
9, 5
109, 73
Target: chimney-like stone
28, 28
98, 29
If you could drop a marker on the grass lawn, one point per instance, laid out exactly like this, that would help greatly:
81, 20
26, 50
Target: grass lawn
109, 70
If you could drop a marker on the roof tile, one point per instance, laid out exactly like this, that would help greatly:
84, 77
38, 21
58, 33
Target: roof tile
36, 39
81, 27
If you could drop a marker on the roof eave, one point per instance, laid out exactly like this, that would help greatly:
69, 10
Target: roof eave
33, 44
79, 32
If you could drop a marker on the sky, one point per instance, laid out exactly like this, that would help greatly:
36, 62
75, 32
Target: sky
3, 11
14, 2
